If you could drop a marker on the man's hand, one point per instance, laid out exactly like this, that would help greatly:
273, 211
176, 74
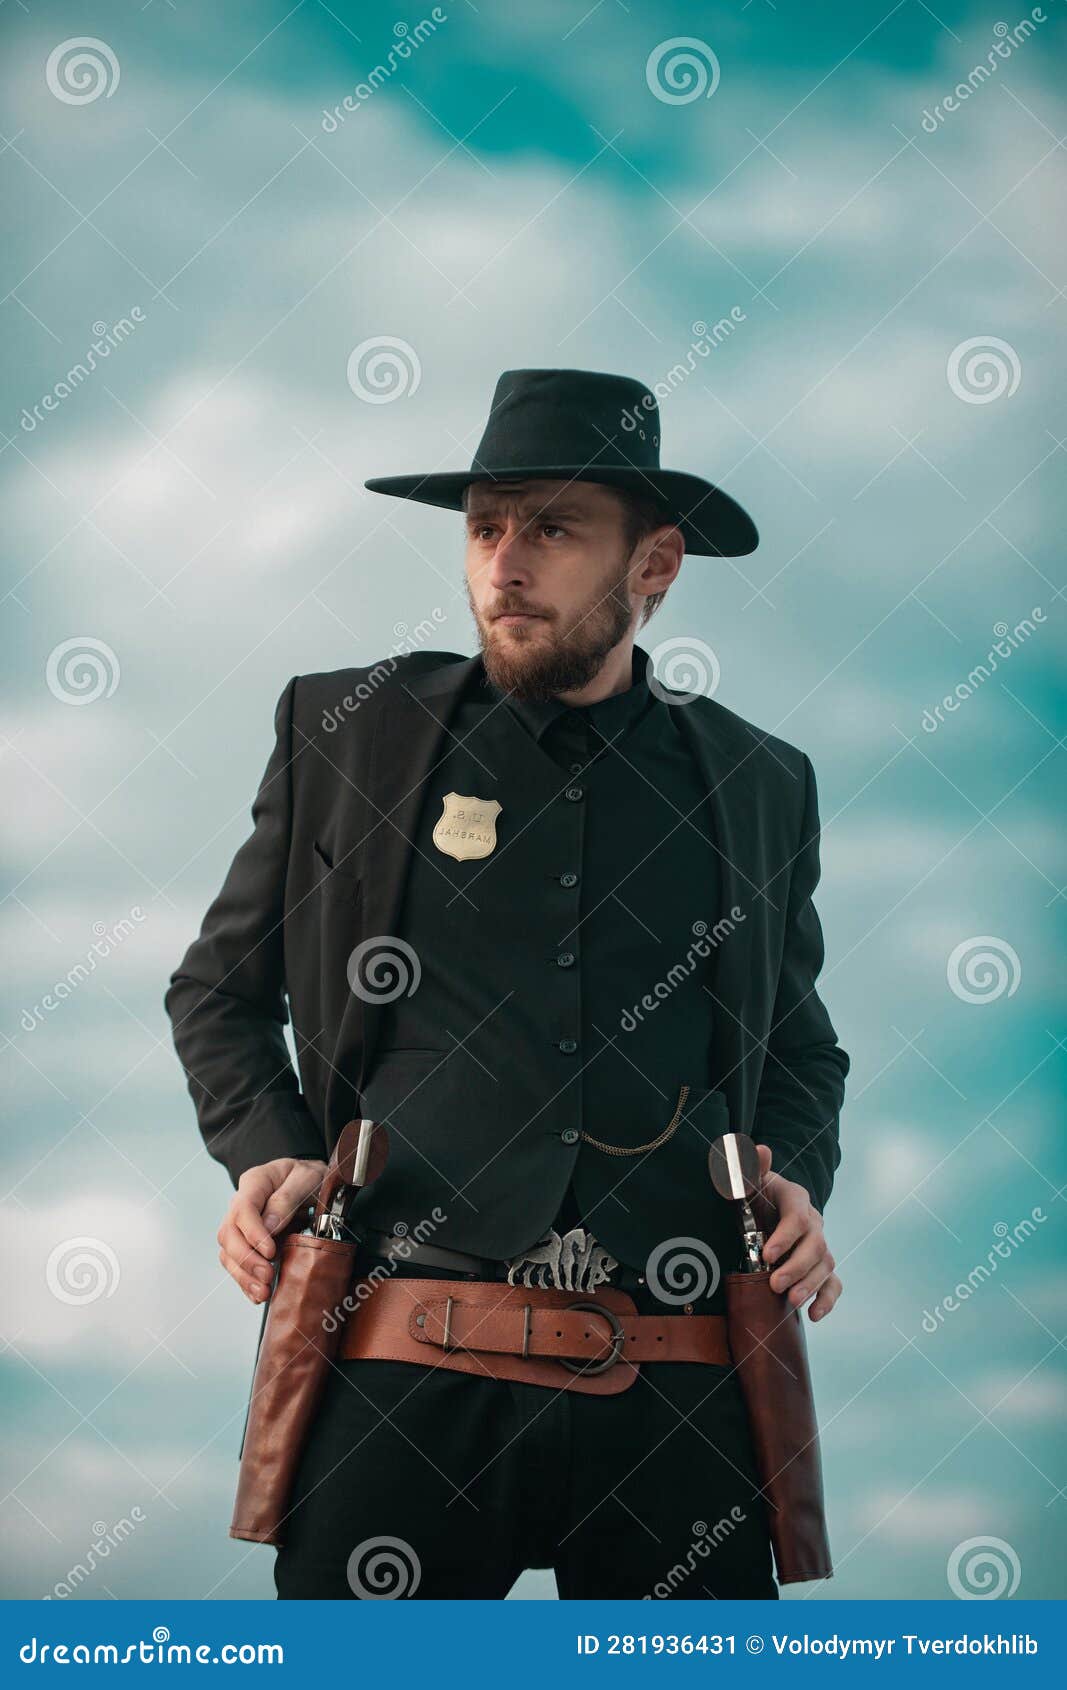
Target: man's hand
266, 1199
798, 1244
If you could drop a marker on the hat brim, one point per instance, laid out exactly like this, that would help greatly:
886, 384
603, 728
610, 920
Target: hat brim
712, 524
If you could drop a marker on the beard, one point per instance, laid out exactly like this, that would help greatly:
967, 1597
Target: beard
540, 664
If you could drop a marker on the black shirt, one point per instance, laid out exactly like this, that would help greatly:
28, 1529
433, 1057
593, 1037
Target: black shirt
573, 735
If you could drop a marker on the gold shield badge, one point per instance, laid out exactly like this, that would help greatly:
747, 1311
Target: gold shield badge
466, 827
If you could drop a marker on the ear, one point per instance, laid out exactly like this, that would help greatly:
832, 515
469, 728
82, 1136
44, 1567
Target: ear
663, 550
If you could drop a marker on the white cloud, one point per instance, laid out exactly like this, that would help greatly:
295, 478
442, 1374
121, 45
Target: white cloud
898, 1157
1018, 1394
926, 1519
104, 1278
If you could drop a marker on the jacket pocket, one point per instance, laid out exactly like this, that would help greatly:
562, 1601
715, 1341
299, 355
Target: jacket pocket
409, 1050
338, 881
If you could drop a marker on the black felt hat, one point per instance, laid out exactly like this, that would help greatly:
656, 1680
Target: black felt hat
581, 425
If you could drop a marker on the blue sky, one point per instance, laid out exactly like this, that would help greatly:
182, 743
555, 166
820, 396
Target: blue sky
515, 193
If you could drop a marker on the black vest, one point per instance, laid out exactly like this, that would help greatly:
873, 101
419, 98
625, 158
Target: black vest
560, 993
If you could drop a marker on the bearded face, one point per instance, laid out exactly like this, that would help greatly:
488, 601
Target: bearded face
550, 652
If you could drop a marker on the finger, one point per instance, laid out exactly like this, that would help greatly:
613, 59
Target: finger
257, 1183
254, 1189
766, 1156
809, 1282
792, 1225
294, 1190
820, 1273
253, 1288
804, 1257
235, 1247
828, 1294
246, 1215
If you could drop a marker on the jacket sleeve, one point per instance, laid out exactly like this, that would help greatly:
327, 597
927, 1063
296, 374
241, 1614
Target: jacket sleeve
227, 1001
803, 1082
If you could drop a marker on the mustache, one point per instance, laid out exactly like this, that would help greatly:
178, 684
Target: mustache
515, 610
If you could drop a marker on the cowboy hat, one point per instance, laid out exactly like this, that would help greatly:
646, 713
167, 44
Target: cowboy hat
581, 425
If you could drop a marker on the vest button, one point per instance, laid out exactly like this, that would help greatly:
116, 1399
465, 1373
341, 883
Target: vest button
569, 1135
568, 880
568, 1046
565, 959
574, 793
576, 768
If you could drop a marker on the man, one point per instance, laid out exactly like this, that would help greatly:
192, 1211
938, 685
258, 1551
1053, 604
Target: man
551, 923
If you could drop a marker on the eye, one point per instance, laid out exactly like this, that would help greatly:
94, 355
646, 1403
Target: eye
545, 526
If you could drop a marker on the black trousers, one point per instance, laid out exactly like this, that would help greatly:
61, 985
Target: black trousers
417, 1482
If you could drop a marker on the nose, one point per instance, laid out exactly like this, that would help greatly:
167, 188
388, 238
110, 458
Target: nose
511, 556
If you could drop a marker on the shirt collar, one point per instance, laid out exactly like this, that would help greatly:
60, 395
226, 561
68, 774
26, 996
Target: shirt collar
611, 717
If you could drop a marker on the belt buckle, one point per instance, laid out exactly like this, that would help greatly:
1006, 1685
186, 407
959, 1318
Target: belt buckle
617, 1339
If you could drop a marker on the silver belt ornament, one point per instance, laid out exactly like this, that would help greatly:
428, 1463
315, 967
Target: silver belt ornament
573, 1262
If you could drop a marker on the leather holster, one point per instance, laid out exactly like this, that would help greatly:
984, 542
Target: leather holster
769, 1351
305, 1318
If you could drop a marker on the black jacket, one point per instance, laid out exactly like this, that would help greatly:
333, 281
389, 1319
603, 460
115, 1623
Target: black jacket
352, 753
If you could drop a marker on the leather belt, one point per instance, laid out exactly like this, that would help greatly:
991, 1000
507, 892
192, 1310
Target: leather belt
592, 1343
392, 1248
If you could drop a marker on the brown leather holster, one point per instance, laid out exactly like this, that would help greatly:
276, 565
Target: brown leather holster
305, 1318
770, 1356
